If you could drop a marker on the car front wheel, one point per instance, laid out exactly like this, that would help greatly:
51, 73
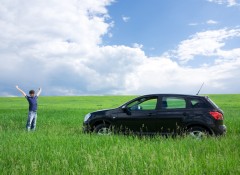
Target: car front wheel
103, 129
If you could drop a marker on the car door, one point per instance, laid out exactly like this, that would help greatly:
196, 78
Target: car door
139, 115
171, 115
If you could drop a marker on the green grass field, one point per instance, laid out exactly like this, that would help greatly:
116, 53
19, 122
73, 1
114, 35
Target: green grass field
58, 146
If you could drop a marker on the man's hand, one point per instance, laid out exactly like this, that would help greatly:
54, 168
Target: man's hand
39, 91
20, 90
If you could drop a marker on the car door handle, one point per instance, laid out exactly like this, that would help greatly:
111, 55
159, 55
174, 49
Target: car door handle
150, 114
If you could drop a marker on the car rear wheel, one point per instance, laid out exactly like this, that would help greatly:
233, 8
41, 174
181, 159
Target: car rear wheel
103, 129
197, 132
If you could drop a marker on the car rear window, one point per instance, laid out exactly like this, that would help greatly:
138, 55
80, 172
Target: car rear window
173, 103
214, 104
197, 103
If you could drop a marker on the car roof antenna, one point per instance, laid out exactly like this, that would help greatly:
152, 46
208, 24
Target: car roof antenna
200, 88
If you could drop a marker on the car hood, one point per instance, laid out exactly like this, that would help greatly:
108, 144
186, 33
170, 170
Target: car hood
103, 111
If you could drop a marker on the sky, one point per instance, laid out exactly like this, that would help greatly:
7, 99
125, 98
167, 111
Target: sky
116, 47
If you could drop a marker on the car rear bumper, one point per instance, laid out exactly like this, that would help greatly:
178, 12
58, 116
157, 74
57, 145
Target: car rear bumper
221, 130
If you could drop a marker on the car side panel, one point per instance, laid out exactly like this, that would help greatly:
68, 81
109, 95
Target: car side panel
137, 121
172, 120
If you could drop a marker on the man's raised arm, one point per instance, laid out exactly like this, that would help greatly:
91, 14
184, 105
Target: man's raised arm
22, 92
39, 91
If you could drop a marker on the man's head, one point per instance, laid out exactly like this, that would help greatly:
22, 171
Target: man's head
32, 93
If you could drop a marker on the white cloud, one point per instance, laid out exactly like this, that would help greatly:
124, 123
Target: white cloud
125, 18
110, 35
227, 2
211, 22
165, 75
58, 46
40, 40
136, 45
206, 43
193, 24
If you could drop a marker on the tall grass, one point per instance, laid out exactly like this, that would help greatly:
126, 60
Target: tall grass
58, 146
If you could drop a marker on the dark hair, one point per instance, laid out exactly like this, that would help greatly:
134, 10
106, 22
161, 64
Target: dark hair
31, 92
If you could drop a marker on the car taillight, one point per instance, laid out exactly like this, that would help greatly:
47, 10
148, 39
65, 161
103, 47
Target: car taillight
216, 115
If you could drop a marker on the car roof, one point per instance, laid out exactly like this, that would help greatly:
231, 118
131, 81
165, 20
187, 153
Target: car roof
176, 95
182, 95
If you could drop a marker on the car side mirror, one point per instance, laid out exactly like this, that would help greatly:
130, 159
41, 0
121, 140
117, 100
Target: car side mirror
125, 109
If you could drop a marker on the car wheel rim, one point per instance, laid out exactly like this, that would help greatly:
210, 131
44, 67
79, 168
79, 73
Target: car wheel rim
197, 134
104, 131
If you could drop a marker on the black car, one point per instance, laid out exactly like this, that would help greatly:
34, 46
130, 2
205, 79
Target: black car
160, 113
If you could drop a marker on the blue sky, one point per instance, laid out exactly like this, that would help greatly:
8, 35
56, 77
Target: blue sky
96, 47
161, 25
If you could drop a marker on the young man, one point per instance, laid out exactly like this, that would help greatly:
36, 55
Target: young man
32, 114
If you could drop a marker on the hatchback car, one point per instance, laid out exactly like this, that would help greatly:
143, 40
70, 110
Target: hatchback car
160, 114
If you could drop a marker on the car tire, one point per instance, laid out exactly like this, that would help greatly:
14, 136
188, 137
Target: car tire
197, 132
103, 129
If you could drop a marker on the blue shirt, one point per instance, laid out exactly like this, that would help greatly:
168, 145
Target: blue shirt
32, 103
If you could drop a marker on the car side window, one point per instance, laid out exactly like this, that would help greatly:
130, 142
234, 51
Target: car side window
173, 103
143, 104
196, 103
